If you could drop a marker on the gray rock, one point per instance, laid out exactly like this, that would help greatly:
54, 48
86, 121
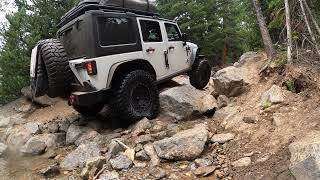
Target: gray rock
42, 101
73, 133
34, 146
223, 101
114, 148
158, 126
247, 57
142, 156
144, 139
121, 162
246, 161
16, 138
202, 162
150, 151
3, 149
204, 171
229, 82
222, 138
305, 157
50, 171
182, 102
52, 127
172, 129
89, 136
32, 127
141, 126
185, 145
109, 175
79, 157
4, 171
64, 125
93, 165
53, 140
273, 96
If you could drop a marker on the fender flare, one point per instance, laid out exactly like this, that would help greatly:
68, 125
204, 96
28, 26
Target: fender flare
115, 66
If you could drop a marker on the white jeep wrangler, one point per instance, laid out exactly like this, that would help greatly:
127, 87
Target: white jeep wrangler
107, 52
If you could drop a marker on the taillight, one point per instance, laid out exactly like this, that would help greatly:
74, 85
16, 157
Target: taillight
72, 100
91, 67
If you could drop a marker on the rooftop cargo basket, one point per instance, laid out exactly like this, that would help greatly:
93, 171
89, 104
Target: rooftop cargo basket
141, 7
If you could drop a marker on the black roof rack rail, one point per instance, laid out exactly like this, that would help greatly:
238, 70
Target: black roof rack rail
83, 7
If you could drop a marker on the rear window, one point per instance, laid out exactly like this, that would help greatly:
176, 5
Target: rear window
115, 31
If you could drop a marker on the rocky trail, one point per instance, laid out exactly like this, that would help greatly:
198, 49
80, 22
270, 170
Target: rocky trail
247, 124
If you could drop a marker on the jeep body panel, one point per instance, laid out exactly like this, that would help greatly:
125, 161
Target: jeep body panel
166, 61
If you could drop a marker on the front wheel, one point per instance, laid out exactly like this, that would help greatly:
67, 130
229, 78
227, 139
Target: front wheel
200, 74
135, 96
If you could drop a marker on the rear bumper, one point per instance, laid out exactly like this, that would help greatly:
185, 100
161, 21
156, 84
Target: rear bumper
88, 99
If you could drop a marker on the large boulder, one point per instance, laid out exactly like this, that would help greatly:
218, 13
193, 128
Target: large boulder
42, 101
185, 145
229, 82
305, 157
80, 156
181, 102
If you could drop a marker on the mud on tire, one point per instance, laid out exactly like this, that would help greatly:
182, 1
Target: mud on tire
200, 74
135, 95
54, 66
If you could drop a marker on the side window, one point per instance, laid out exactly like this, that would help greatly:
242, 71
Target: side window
151, 31
173, 32
115, 31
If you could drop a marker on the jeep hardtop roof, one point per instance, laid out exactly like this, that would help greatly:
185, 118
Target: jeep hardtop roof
88, 5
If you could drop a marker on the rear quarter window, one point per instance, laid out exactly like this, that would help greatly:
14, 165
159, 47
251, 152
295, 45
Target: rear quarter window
115, 31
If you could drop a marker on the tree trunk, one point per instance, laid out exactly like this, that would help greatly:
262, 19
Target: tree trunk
312, 17
268, 45
289, 33
313, 38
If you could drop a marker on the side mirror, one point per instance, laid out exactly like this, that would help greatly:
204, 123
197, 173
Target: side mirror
184, 37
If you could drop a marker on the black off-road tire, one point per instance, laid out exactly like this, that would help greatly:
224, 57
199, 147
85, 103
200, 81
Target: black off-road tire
89, 111
200, 74
56, 67
135, 96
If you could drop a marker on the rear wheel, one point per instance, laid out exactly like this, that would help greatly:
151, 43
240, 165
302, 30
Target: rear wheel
90, 110
200, 74
135, 96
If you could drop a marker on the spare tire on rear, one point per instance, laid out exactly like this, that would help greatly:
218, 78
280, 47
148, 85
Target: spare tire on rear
53, 68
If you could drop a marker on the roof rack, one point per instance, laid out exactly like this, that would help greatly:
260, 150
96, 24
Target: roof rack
83, 7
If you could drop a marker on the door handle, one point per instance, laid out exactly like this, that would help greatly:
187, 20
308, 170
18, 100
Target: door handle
166, 59
171, 48
151, 50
